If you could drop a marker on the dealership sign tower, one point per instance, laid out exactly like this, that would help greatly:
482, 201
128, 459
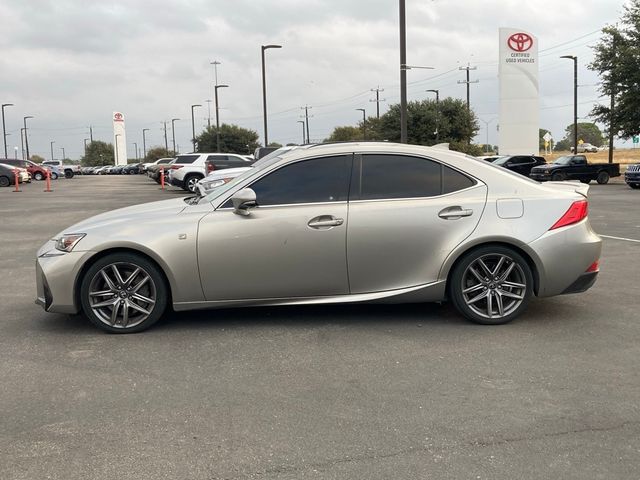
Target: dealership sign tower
519, 105
119, 139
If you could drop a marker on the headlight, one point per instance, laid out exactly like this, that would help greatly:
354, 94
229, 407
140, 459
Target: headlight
67, 241
217, 183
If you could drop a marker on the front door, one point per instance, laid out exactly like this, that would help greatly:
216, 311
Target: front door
293, 244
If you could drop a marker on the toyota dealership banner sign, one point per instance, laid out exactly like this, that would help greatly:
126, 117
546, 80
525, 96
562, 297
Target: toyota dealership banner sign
519, 105
119, 139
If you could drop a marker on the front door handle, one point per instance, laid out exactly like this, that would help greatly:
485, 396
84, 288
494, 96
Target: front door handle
454, 213
325, 221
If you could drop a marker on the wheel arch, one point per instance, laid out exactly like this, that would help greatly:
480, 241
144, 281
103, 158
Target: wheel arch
456, 257
128, 249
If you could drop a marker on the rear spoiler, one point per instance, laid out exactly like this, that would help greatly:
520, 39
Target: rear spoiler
577, 187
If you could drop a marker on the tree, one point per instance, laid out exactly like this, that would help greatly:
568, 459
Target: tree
37, 158
617, 60
564, 145
98, 153
155, 153
274, 145
346, 133
587, 132
233, 139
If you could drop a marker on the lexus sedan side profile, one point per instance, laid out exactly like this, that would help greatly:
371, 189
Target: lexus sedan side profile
332, 223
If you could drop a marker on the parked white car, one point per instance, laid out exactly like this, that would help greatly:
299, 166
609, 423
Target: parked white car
188, 169
67, 169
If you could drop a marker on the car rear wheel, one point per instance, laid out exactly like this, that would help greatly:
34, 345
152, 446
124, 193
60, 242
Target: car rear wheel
558, 177
491, 285
123, 293
54, 176
5, 182
190, 183
603, 178
68, 174
38, 176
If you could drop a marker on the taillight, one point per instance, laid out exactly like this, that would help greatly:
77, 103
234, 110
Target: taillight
210, 167
577, 211
595, 266
176, 167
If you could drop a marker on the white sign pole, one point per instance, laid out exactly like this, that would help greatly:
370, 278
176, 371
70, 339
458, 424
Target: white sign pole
119, 139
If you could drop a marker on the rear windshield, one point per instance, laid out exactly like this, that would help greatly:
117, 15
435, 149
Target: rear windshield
186, 158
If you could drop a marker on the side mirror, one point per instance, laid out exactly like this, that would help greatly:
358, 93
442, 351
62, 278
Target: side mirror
243, 200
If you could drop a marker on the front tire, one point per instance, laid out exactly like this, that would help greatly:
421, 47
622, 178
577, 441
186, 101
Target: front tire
123, 293
38, 176
603, 178
491, 285
558, 177
4, 181
54, 176
68, 174
190, 183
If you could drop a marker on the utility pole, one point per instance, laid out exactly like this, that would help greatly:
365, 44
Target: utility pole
64, 155
613, 95
26, 135
403, 72
4, 130
208, 113
91, 133
306, 119
173, 133
377, 99
51, 146
193, 127
218, 116
84, 140
136, 150
22, 142
468, 82
575, 101
264, 92
302, 122
166, 144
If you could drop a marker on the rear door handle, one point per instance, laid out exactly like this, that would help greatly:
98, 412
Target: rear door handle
325, 221
453, 213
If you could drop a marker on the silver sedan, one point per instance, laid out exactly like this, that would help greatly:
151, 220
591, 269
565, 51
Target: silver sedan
359, 222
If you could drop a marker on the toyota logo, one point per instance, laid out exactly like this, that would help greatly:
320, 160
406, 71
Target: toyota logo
117, 117
520, 42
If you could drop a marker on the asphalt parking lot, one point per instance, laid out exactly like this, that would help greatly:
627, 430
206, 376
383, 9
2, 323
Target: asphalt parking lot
322, 392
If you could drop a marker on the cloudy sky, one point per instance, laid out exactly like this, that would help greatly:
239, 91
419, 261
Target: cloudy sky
71, 63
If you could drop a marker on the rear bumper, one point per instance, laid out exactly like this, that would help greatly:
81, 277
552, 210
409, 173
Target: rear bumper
177, 183
582, 284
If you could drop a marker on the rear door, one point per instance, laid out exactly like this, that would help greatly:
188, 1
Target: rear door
406, 214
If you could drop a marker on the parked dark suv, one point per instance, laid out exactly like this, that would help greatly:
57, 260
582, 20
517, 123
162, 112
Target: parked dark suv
521, 164
632, 175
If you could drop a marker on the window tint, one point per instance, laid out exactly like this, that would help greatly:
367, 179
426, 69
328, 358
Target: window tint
396, 176
452, 180
309, 181
217, 158
186, 158
520, 160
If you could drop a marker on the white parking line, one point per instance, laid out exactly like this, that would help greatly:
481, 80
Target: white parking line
621, 238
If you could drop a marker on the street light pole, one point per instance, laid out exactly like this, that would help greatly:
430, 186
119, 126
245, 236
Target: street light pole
193, 127
403, 72
85, 146
437, 92
487, 122
575, 101
173, 133
144, 142
26, 135
22, 142
208, 113
136, 150
364, 123
264, 92
64, 155
302, 122
51, 146
218, 115
4, 130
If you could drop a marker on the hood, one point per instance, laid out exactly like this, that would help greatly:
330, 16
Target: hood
546, 167
233, 172
135, 213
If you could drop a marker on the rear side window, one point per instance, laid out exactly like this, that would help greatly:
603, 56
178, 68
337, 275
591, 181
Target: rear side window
399, 176
309, 181
217, 158
186, 159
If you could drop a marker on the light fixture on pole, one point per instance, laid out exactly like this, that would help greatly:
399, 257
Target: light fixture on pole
264, 92
193, 126
218, 115
4, 130
364, 122
437, 92
575, 100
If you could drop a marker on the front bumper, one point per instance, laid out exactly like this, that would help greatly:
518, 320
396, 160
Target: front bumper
56, 274
540, 177
632, 177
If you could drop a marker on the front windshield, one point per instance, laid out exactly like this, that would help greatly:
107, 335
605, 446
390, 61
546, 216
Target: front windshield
566, 160
501, 161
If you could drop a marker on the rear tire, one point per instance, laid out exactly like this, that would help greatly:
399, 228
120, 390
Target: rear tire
54, 176
603, 178
190, 183
491, 285
123, 293
68, 174
558, 177
5, 182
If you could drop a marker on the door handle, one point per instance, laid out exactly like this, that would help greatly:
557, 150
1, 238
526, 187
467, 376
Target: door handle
454, 213
325, 221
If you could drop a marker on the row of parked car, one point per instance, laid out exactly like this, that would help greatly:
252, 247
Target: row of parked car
131, 169
27, 170
568, 167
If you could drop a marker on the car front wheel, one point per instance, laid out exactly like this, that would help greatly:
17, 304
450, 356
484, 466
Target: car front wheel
123, 293
190, 183
491, 285
38, 176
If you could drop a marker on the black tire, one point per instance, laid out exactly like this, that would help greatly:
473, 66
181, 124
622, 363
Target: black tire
190, 182
586, 181
155, 288
558, 177
38, 176
5, 182
461, 276
635, 186
68, 174
54, 176
602, 178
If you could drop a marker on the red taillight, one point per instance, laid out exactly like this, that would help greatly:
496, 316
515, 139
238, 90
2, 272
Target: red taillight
595, 266
577, 211
210, 167
176, 167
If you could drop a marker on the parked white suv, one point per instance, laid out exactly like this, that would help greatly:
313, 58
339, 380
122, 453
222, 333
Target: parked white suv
189, 168
68, 169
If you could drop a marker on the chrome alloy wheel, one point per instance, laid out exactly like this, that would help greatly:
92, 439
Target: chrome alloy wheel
494, 286
191, 183
122, 295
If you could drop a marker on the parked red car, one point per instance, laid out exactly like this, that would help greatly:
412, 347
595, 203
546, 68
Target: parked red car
38, 172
